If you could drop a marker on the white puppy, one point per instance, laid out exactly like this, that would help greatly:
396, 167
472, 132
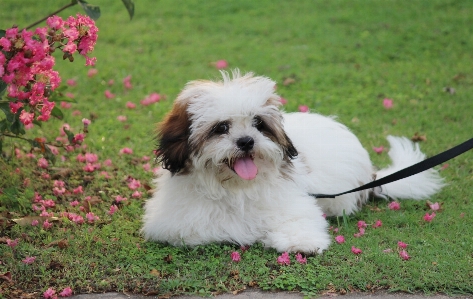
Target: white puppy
237, 169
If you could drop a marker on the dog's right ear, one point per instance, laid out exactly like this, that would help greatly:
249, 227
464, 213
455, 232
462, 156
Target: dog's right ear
173, 137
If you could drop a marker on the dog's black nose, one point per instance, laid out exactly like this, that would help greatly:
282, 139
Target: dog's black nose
245, 143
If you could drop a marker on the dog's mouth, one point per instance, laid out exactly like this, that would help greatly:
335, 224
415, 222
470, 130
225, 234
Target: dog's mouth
244, 167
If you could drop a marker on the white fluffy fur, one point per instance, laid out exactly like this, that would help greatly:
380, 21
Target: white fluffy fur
209, 203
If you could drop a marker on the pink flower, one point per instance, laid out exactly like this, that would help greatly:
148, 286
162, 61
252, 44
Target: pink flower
361, 224
283, 101
86, 122
119, 198
378, 150
235, 256
121, 118
301, 259
74, 203
378, 223
152, 98
26, 118
394, 205
340, 239
107, 162
78, 190
137, 194
49, 294
91, 157
71, 82
434, 206
113, 209
34, 222
361, 232
88, 168
403, 254
109, 95
76, 113
429, 217
130, 105
134, 184
284, 259
127, 82
91, 217
356, 250
221, 64
47, 224
388, 103
78, 138
126, 150
12, 243
92, 72
43, 163
29, 260
402, 244
303, 108
67, 292
111, 82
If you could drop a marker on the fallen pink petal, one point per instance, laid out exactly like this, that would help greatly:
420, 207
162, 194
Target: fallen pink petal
404, 255
29, 260
49, 294
377, 224
394, 205
429, 217
108, 94
235, 256
301, 259
303, 108
67, 292
356, 250
221, 64
435, 206
388, 103
379, 149
402, 244
284, 259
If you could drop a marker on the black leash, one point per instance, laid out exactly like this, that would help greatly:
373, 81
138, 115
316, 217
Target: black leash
411, 170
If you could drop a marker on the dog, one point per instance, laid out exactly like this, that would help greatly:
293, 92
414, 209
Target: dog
235, 168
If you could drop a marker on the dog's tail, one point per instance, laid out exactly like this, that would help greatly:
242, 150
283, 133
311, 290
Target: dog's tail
405, 153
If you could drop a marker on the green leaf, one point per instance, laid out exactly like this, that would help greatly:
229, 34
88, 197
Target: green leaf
37, 123
130, 7
2, 33
70, 135
3, 87
93, 11
5, 107
17, 127
57, 113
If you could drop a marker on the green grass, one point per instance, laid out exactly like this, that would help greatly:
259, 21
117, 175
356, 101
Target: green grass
345, 56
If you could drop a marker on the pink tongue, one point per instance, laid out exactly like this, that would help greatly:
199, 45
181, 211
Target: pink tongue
245, 168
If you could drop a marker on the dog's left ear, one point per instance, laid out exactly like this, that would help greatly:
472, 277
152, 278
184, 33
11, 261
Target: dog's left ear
173, 137
274, 128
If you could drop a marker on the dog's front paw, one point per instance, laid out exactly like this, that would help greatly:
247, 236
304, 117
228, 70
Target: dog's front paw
298, 241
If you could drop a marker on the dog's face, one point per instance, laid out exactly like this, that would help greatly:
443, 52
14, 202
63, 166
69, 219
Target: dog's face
231, 129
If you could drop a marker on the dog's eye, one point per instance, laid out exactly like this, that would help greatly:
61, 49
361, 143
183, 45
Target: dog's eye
258, 123
221, 128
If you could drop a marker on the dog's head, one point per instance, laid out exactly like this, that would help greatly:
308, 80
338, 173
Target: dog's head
232, 129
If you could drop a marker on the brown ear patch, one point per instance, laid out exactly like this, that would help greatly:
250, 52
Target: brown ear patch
273, 129
173, 137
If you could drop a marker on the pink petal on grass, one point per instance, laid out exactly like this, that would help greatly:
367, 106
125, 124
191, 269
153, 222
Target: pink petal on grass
377, 224
379, 149
402, 244
394, 205
284, 259
109, 94
340, 239
434, 206
130, 105
67, 292
404, 255
221, 64
356, 250
429, 217
29, 260
388, 103
301, 259
49, 294
235, 256
303, 108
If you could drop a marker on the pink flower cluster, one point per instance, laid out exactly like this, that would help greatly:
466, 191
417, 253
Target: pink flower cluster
26, 64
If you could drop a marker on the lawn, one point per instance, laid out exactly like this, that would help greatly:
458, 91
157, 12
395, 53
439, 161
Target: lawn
337, 57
